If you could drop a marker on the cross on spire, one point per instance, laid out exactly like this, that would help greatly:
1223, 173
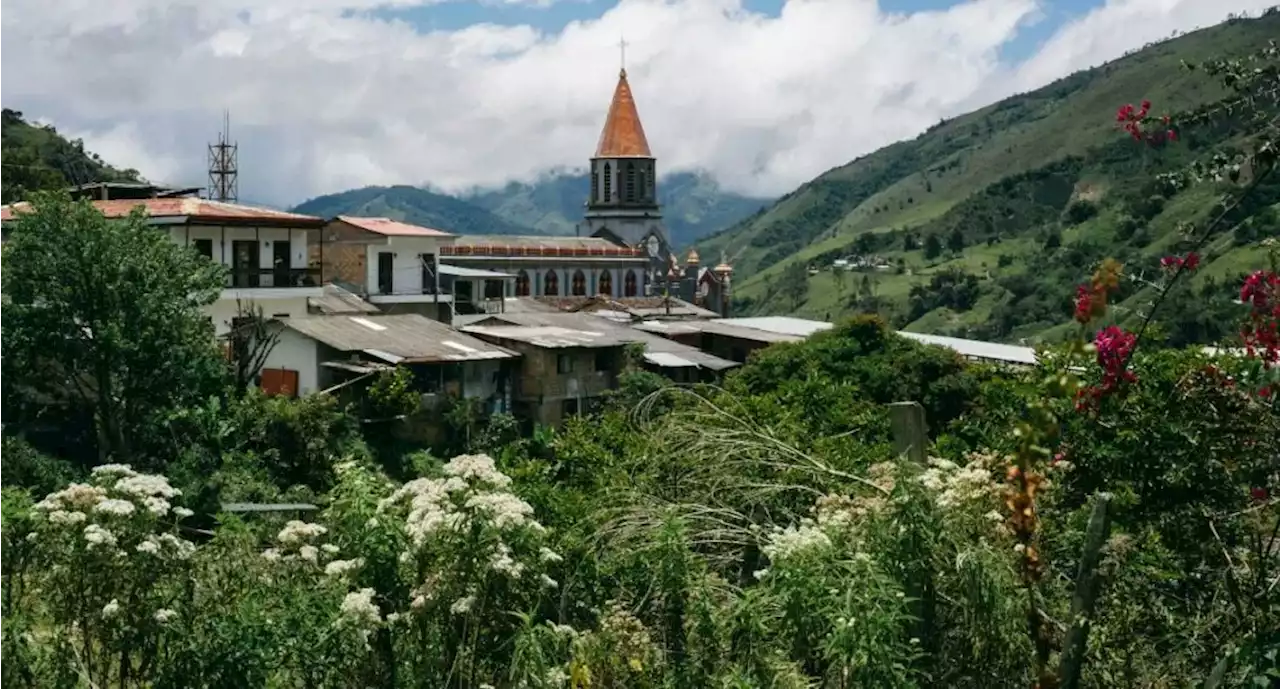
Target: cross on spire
622, 47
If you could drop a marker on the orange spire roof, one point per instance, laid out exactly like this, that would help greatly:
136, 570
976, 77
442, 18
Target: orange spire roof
623, 136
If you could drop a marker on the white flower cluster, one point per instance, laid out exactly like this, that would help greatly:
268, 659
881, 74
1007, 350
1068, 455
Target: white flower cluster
166, 545
471, 493
117, 491
339, 568
296, 544
956, 485
792, 541
358, 608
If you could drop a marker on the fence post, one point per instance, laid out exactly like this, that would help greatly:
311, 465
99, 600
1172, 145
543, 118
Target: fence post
910, 434
1086, 593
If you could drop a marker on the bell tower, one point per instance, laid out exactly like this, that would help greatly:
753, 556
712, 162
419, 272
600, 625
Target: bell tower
622, 205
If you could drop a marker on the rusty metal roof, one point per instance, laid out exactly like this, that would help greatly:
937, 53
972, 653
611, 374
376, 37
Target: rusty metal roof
189, 209
714, 327
623, 135
391, 228
396, 338
335, 300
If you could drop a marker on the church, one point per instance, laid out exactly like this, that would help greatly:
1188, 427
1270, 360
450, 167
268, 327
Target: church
622, 247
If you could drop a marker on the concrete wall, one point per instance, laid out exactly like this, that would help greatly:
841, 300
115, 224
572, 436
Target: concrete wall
300, 353
273, 306
406, 265
222, 238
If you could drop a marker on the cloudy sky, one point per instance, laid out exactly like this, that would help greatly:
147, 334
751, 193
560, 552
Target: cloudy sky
327, 95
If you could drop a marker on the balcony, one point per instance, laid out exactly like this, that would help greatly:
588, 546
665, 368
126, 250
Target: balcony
272, 283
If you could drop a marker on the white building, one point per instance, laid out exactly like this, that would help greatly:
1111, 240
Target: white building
266, 251
396, 265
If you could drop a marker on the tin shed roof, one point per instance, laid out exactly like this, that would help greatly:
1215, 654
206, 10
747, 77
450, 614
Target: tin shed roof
396, 338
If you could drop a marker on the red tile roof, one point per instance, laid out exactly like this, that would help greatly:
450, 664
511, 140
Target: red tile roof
194, 209
537, 245
391, 228
623, 136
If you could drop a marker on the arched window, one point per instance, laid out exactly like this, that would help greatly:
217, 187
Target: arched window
608, 184
644, 188
522, 284
606, 283
579, 284
630, 195
551, 285
629, 284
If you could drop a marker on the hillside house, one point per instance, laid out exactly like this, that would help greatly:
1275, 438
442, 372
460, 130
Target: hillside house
563, 371
266, 251
317, 353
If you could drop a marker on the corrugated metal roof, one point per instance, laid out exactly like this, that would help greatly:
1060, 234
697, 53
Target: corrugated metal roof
715, 327
392, 228
548, 336
667, 360
406, 337
460, 272
783, 325
620, 332
335, 299
992, 351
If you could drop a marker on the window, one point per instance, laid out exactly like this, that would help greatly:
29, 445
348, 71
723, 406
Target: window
569, 408
551, 287
630, 194
605, 283
204, 247
564, 363
629, 284
522, 284
595, 185
640, 185
608, 183
579, 284
604, 360
385, 266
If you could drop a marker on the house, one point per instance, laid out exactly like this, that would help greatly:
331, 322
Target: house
318, 353
563, 371
266, 251
396, 266
679, 362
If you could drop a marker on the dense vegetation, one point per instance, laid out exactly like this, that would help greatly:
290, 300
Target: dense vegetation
1020, 197
693, 206
37, 158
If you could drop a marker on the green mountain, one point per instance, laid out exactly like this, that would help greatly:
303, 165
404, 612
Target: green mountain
38, 158
413, 205
983, 225
693, 204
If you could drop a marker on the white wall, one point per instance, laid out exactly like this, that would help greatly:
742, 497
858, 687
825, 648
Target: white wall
266, 236
300, 353
406, 266
223, 310
478, 378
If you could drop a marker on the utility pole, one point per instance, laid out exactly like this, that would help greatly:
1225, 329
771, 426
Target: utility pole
223, 170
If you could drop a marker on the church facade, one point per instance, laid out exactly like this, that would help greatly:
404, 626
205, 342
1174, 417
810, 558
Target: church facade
622, 248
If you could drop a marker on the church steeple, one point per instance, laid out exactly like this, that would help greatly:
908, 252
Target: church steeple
623, 170
623, 135
623, 202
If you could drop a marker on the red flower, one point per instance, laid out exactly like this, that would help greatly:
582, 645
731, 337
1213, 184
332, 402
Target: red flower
1192, 261
1114, 346
1258, 493
1084, 304
1172, 135
1146, 105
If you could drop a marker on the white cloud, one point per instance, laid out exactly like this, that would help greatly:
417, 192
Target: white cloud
325, 96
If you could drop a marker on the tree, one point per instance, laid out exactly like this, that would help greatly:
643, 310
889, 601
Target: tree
105, 317
932, 246
795, 284
955, 241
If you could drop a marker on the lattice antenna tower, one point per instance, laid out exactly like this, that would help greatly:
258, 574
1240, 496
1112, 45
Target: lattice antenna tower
223, 169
